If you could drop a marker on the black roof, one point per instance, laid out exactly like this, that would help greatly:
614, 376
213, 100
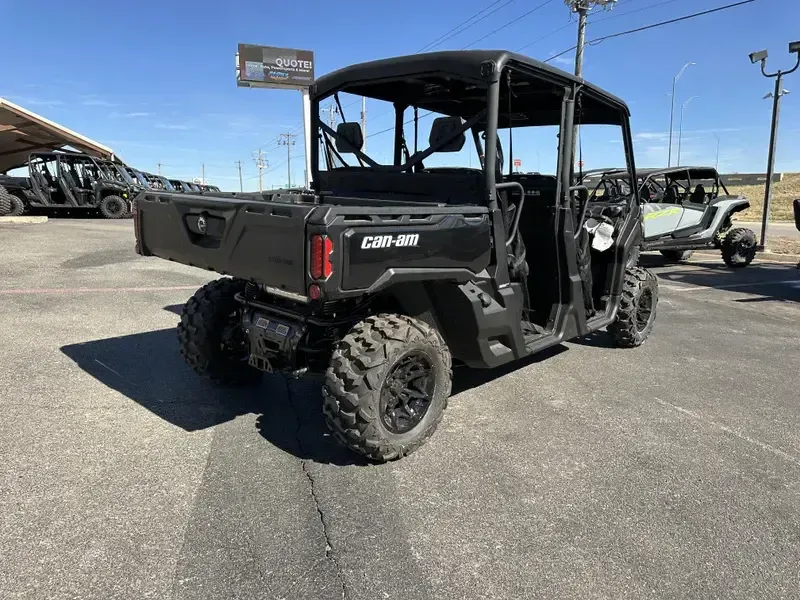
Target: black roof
379, 79
650, 172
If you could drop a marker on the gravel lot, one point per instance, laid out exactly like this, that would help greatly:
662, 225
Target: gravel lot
670, 471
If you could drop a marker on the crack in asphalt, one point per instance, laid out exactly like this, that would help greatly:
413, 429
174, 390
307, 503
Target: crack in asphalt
329, 550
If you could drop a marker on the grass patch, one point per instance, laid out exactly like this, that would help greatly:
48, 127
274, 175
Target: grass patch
783, 194
784, 245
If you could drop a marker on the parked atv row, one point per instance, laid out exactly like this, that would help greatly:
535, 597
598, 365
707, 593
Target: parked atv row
63, 180
74, 181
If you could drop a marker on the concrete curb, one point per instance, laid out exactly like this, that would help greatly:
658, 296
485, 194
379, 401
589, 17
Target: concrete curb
23, 220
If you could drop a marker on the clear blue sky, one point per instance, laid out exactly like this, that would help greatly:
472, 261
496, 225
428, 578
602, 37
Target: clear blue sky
155, 80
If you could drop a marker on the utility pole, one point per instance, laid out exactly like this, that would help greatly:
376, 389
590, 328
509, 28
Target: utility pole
158, 165
203, 173
761, 57
287, 139
717, 163
261, 163
239, 165
582, 7
680, 129
364, 123
332, 112
672, 110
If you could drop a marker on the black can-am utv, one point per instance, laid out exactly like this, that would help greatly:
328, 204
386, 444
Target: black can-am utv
66, 180
382, 275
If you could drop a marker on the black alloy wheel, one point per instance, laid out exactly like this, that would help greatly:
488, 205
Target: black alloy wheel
407, 392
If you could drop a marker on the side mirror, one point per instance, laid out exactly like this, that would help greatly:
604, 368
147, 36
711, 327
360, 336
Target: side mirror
349, 137
797, 213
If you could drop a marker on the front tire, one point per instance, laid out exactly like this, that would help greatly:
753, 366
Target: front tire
113, 207
210, 334
387, 386
739, 247
637, 309
677, 255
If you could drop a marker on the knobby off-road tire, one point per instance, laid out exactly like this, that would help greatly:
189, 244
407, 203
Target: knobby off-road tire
739, 247
637, 308
677, 255
633, 257
17, 206
361, 386
113, 207
5, 201
210, 336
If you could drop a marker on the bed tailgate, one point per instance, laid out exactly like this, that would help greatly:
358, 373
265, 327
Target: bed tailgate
251, 238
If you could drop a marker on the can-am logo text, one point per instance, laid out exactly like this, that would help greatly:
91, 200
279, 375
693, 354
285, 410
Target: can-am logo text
389, 241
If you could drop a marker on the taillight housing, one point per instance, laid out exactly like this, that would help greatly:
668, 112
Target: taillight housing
321, 249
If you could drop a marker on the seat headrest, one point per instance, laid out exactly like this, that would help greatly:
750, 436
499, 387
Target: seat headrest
443, 129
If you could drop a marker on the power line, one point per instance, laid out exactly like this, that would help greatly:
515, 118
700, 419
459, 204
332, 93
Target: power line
596, 41
617, 15
438, 42
453, 33
541, 39
515, 20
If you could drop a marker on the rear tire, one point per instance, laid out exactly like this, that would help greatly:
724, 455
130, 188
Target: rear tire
210, 334
739, 247
5, 201
17, 206
387, 386
113, 207
677, 255
637, 308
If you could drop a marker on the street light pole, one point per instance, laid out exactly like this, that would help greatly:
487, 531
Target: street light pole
672, 109
761, 57
680, 129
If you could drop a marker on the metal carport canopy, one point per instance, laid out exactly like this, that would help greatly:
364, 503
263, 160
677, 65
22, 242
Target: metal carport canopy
23, 132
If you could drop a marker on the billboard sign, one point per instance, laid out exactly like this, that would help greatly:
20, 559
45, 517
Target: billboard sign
266, 66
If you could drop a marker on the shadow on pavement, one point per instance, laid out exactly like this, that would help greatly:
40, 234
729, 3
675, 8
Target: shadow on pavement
175, 308
465, 378
147, 368
770, 281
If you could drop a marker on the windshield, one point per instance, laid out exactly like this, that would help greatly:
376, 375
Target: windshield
138, 176
116, 172
425, 141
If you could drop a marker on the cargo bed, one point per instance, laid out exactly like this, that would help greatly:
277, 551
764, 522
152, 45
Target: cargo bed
243, 236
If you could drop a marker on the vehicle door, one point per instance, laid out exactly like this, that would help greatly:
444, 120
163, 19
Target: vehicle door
67, 182
39, 183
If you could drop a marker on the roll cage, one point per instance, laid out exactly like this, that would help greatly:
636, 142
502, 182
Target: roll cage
481, 92
653, 184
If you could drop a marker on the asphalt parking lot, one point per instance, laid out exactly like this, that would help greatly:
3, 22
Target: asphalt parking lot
669, 471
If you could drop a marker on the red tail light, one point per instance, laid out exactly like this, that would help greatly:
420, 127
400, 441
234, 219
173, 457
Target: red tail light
321, 248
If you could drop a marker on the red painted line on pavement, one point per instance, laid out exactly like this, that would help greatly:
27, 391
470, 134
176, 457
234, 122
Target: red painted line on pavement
174, 288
